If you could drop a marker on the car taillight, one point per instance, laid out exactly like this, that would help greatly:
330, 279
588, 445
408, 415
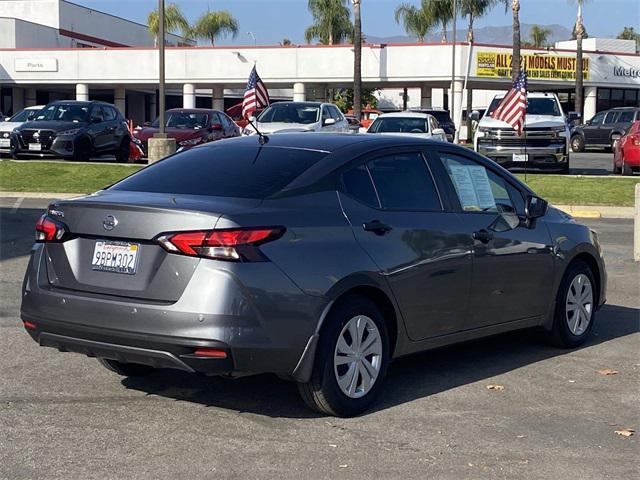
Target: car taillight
49, 230
232, 244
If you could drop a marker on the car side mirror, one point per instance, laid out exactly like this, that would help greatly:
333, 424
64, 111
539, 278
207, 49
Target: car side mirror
328, 121
573, 116
438, 131
216, 127
475, 116
535, 207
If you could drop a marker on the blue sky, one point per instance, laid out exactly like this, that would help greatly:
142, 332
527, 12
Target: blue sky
272, 20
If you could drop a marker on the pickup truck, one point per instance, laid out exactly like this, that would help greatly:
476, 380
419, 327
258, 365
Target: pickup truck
544, 144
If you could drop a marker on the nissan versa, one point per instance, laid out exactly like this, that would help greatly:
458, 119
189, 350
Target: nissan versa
316, 257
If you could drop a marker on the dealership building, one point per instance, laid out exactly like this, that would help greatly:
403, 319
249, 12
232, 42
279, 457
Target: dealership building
54, 49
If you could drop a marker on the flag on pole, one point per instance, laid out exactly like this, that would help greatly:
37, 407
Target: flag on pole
513, 107
256, 97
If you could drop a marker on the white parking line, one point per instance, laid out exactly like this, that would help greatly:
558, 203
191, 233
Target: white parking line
17, 204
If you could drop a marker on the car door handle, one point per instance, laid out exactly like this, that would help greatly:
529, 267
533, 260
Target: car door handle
482, 236
377, 227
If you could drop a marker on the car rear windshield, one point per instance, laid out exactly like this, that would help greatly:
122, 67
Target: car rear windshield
225, 170
442, 117
290, 113
399, 125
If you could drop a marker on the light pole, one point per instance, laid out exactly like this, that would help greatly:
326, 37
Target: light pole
453, 70
161, 100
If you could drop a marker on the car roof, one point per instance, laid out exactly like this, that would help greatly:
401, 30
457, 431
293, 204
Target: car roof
308, 104
193, 110
406, 114
35, 107
79, 102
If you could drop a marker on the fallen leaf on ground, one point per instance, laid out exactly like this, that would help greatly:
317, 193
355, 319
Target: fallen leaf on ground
626, 432
498, 388
343, 466
607, 371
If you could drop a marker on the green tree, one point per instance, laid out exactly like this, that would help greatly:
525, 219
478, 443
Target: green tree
415, 21
331, 22
213, 25
343, 98
629, 33
442, 12
357, 59
174, 21
286, 42
539, 36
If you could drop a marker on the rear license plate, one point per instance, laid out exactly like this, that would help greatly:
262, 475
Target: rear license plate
115, 257
5, 143
520, 157
35, 147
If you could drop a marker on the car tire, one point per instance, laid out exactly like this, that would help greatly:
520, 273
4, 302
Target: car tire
575, 308
126, 369
625, 169
82, 150
346, 380
577, 143
122, 154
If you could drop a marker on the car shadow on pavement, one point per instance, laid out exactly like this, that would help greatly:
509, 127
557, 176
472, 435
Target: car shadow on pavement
408, 379
16, 226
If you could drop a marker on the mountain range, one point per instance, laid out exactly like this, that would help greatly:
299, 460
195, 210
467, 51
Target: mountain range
492, 35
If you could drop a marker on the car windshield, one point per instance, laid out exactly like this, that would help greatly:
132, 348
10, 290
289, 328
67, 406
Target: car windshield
535, 106
25, 115
64, 113
399, 125
184, 120
290, 113
224, 170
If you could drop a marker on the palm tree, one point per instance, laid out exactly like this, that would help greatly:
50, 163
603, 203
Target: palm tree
357, 56
539, 36
441, 12
515, 59
473, 9
332, 23
174, 21
415, 21
580, 32
213, 25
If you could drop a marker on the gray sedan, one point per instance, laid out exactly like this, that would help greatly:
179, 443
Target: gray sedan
319, 258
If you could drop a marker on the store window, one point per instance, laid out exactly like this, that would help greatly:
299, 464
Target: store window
617, 97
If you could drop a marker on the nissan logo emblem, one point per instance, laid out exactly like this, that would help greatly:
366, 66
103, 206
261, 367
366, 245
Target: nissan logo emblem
109, 222
36, 135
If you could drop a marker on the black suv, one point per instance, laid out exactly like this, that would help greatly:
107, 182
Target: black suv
74, 130
604, 129
443, 118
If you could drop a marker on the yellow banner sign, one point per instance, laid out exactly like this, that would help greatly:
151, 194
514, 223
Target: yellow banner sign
538, 67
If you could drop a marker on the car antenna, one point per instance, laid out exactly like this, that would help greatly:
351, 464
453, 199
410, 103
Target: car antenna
262, 138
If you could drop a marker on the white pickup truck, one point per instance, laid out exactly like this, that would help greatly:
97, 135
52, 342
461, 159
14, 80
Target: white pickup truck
545, 143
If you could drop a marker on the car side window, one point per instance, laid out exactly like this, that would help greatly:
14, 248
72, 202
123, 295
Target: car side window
356, 182
403, 182
480, 189
626, 117
215, 119
610, 118
325, 113
108, 114
335, 113
598, 118
433, 124
96, 112
226, 122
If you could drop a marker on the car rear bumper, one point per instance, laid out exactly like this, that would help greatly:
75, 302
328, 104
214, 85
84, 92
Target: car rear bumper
262, 329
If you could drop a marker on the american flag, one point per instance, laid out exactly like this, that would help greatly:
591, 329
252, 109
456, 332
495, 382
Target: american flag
256, 96
513, 107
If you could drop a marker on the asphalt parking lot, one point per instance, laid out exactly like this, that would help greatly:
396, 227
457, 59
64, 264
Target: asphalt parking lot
64, 416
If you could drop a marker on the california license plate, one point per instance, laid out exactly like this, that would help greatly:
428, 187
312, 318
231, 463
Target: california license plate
5, 143
115, 257
520, 157
36, 147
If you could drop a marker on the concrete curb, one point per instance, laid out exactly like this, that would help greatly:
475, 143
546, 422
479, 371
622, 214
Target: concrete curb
596, 211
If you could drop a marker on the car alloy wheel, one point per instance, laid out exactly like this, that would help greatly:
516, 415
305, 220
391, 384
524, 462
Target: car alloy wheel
358, 356
579, 304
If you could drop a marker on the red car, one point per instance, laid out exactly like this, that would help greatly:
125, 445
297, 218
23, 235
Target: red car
626, 154
191, 127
